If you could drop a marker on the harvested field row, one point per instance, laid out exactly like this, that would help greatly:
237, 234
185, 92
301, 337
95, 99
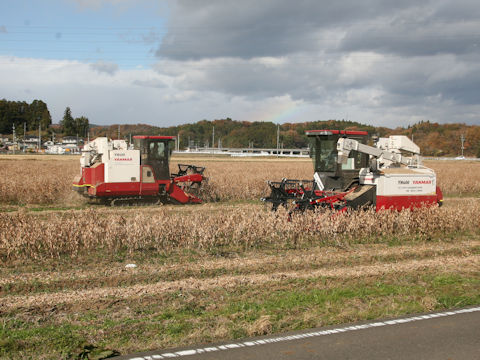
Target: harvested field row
115, 274
186, 316
48, 182
78, 233
441, 263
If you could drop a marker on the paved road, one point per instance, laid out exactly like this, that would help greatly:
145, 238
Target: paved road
447, 336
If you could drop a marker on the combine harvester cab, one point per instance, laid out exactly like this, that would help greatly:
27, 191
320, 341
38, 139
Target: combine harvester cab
351, 174
115, 173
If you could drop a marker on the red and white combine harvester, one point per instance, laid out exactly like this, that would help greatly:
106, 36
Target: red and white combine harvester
351, 174
115, 173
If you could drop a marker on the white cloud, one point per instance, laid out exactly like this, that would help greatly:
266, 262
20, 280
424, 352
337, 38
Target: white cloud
186, 92
106, 67
104, 99
154, 83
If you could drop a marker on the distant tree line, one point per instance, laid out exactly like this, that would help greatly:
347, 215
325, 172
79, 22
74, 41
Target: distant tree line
233, 133
434, 139
19, 113
35, 115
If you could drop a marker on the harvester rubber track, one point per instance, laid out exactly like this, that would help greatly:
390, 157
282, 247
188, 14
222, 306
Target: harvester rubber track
135, 201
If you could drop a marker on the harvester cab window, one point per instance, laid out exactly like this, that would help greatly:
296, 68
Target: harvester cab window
157, 150
323, 150
327, 155
154, 152
158, 158
354, 161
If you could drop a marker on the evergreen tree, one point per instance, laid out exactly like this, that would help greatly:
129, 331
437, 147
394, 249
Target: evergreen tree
81, 126
68, 123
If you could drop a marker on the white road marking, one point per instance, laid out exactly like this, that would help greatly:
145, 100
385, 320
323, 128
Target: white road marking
301, 336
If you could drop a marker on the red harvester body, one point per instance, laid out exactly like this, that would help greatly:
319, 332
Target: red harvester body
114, 172
350, 174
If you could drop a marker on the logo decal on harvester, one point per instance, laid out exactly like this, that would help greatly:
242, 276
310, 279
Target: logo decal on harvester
418, 182
119, 158
404, 182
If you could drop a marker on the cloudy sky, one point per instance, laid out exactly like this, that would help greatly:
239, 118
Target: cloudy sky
389, 63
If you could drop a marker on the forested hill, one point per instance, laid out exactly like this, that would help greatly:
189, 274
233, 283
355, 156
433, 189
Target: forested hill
434, 139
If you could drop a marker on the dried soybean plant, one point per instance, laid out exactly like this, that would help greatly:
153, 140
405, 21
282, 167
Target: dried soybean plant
457, 177
77, 233
48, 182
41, 182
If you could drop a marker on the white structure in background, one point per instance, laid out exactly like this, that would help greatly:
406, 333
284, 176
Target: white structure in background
30, 142
69, 145
55, 149
244, 152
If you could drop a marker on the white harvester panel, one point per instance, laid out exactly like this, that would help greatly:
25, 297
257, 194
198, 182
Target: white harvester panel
402, 181
396, 143
122, 166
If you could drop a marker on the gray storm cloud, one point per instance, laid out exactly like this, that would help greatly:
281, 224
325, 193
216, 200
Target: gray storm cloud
408, 55
253, 28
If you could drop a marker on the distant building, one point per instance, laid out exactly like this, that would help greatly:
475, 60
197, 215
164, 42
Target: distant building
55, 149
68, 145
30, 141
70, 140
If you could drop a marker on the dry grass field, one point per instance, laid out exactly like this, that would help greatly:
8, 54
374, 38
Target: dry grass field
225, 269
46, 180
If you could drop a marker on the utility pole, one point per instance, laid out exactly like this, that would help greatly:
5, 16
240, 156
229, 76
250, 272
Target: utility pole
462, 139
278, 136
178, 142
24, 132
39, 136
14, 138
118, 137
213, 138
